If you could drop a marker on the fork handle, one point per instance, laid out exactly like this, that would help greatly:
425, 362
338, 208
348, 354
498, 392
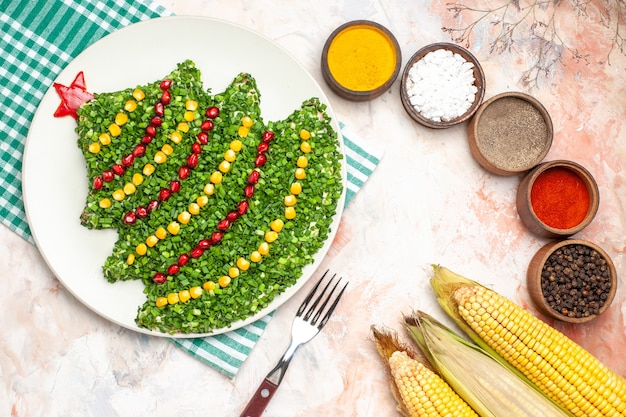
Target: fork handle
260, 399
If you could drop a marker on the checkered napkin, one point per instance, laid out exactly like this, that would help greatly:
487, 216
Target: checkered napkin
37, 40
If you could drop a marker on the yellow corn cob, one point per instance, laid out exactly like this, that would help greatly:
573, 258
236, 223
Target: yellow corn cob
418, 390
562, 369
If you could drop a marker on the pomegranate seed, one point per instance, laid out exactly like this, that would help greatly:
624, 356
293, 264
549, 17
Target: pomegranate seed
147, 139
203, 138
165, 84
153, 205
223, 225
192, 160
263, 147
128, 160
141, 212
232, 216
268, 135
174, 186
196, 148
183, 172
156, 121
164, 194
173, 269
253, 178
140, 150
260, 160
166, 97
151, 130
108, 175
204, 244
130, 218
216, 237
159, 278
212, 112
159, 109
196, 252
183, 259
97, 183
207, 125
242, 207
248, 191
118, 169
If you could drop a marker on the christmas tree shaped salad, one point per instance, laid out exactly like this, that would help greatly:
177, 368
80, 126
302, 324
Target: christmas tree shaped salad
217, 211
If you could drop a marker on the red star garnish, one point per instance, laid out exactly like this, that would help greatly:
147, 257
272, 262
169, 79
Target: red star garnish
72, 97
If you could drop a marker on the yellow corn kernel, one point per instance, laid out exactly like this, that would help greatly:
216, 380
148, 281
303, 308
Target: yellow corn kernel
160, 157
305, 147
138, 94
255, 256
243, 131
94, 147
243, 264
189, 116
130, 259
184, 217
161, 233
141, 249
290, 200
137, 178
148, 169
295, 188
247, 121
233, 272
167, 149
209, 189
290, 213
216, 177
264, 248
194, 209
161, 301
130, 105
121, 119
151, 241
184, 296
173, 228
305, 134
302, 161
208, 286
114, 130
172, 298
236, 145
277, 225
129, 188
195, 292
300, 173
224, 166
105, 203
176, 137
230, 155
105, 139
183, 127
119, 195
224, 281
271, 236
202, 200
191, 105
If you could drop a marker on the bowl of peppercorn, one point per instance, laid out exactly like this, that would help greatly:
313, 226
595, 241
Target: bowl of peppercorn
572, 280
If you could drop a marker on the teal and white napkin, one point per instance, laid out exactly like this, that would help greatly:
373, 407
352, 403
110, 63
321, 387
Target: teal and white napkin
38, 39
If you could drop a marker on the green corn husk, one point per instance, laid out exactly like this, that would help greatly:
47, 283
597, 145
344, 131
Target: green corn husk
489, 387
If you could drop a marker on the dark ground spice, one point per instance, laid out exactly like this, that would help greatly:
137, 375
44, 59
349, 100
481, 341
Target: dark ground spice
576, 281
511, 133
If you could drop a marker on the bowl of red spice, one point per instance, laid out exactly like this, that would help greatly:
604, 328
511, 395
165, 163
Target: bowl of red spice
572, 280
557, 199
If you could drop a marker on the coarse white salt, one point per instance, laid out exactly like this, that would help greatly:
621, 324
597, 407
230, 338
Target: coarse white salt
441, 85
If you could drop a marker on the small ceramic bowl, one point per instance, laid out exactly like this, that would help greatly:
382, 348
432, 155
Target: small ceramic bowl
417, 109
564, 289
361, 60
557, 199
510, 133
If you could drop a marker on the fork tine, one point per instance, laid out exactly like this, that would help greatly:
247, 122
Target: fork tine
309, 296
313, 306
333, 305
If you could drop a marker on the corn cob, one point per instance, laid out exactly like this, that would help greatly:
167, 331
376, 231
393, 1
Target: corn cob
562, 369
418, 389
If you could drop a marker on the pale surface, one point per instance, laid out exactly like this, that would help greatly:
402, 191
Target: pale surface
427, 202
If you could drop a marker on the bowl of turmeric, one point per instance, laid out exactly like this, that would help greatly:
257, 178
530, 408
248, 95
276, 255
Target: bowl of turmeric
361, 60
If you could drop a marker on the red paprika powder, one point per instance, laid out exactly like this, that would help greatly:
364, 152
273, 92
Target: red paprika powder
560, 198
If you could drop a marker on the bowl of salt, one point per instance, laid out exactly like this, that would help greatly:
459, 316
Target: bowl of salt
443, 84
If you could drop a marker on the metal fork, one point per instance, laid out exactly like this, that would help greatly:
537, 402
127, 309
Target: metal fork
307, 323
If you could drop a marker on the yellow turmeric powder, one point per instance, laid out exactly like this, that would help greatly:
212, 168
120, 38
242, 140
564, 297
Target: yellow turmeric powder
361, 58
